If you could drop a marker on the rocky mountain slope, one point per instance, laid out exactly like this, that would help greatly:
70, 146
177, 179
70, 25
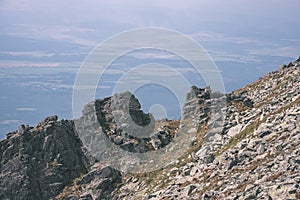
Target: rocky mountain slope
248, 148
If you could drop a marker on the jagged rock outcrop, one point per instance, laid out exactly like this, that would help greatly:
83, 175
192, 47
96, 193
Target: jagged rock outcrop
120, 119
99, 183
246, 146
38, 162
253, 155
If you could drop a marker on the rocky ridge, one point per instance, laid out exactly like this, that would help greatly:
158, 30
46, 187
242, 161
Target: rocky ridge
246, 149
38, 162
255, 154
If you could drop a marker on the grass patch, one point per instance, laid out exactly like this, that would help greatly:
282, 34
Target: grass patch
274, 176
53, 164
267, 99
73, 189
159, 179
248, 131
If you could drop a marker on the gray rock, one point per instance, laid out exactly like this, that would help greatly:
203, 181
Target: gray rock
261, 149
231, 163
188, 190
42, 161
98, 183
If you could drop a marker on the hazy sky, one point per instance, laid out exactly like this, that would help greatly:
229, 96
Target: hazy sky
254, 27
246, 39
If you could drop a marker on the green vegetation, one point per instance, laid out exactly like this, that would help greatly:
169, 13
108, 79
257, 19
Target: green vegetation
247, 132
159, 179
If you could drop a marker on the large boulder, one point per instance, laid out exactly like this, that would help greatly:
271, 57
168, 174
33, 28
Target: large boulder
38, 162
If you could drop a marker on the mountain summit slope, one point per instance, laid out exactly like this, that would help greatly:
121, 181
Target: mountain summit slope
253, 154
